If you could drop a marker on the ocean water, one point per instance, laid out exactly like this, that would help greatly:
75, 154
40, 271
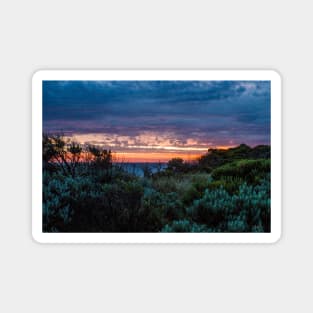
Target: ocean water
139, 168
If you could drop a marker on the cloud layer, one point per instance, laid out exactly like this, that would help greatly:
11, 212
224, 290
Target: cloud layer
156, 114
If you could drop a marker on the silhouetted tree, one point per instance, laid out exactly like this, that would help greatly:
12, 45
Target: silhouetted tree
56, 151
176, 165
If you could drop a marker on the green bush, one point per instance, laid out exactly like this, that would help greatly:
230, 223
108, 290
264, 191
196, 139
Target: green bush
218, 157
59, 195
249, 210
159, 208
166, 184
212, 208
229, 183
256, 202
184, 226
252, 171
188, 186
190, 194
81, 205
237, 224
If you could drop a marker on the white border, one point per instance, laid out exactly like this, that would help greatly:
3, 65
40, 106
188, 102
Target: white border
271, 75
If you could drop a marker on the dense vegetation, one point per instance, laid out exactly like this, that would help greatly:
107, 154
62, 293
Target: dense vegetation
224, 191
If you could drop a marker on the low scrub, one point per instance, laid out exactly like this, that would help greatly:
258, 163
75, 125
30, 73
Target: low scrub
99, 196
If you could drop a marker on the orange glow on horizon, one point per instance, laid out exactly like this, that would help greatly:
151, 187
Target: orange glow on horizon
152, 157
222, 147
148, 157
147, 146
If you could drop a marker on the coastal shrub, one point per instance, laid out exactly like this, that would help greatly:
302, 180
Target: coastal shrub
218, 157
252, 171
178, 166
59, 195
152, 210
190, 194
255, 201
81, 205
200, 180
229, 183
159, 208
165, 184
212, 208
188, 186
184, 226
237, 223
121, 204
247, 210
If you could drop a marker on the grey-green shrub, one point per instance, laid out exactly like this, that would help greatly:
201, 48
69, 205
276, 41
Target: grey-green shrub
249, 210
212, 208
184, 226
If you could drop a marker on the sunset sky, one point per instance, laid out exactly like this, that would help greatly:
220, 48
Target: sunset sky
151, 121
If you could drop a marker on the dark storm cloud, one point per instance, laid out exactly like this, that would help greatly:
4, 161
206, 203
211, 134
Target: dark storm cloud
224, 110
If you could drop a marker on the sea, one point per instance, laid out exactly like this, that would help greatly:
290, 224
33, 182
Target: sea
138, 169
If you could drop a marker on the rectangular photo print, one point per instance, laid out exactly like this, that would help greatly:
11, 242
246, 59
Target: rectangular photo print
156, 156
